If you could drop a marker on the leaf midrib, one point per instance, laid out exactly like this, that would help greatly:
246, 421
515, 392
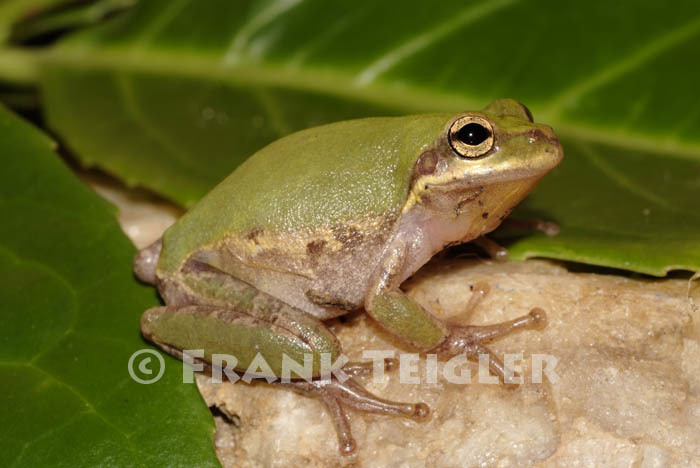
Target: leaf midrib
404, 98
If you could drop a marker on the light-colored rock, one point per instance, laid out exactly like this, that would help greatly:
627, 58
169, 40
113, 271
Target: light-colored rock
628, 366
142, 216
626, 363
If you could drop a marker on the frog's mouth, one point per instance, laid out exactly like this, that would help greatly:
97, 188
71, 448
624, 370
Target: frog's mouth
465, 201
484, 208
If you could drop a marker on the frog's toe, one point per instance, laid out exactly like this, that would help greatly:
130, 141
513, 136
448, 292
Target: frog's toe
538, 319
471, 339
354, 395
492, 248
346, 442
548, 228
337, 395
462, 336
479, 292
367, 368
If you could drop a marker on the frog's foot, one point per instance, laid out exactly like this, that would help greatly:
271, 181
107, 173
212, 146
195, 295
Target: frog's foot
492, 248
471, 339
337, 395
548, 228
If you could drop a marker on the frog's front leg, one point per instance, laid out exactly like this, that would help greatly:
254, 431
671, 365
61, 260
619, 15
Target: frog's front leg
406, 319
219, 314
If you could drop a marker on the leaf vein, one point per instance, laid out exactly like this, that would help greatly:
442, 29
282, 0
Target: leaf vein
422, 41
266, 16
636, 59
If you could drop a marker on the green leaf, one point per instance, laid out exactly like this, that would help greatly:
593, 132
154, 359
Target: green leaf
174, 94
623, 212
17, 67
69, 315
67, 16
12, 11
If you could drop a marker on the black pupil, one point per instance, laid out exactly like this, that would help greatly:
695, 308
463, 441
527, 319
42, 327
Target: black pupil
473, 134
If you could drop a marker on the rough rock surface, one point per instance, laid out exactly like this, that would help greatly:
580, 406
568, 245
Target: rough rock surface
626, 393
628, 366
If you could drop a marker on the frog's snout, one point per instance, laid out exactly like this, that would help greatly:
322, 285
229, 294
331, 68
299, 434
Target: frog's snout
544, 137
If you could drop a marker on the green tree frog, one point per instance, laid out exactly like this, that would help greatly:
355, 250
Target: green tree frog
333, 219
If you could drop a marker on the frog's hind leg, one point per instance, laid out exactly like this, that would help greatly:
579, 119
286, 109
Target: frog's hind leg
233, 333
241, 321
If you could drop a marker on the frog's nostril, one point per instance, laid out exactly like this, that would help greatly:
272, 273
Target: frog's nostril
541, 135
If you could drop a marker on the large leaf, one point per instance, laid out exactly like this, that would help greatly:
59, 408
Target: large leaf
174, 94
69, 315
66, 15
15, 10
16, 66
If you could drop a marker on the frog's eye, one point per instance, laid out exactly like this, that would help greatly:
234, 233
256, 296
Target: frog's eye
471, 136
527, 113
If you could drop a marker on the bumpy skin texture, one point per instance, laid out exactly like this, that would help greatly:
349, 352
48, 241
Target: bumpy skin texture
306, 218
333, 219
324, 176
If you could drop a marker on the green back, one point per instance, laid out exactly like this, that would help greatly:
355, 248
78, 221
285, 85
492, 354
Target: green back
308, 179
